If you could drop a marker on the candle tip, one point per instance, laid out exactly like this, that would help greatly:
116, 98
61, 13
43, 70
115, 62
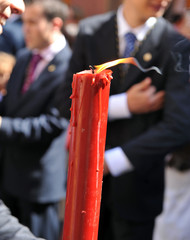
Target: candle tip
92, 68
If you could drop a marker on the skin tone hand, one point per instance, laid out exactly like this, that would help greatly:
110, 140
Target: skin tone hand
7, 7
143, 98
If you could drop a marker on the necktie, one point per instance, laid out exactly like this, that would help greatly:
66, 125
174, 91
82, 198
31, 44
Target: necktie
130, 39
31, 69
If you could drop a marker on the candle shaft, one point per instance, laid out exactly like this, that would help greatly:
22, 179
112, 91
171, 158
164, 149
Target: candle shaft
88, 126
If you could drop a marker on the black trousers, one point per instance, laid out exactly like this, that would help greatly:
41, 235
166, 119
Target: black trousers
41, 219
112, 228
132, 230
115, 228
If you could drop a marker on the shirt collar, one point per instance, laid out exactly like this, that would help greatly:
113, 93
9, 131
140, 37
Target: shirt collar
140, 32
49, 52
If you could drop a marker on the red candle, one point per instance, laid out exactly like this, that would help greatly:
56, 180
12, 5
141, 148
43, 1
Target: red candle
88, 124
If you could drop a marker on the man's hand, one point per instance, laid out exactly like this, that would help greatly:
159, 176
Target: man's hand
11, 6
7, 7
143, 98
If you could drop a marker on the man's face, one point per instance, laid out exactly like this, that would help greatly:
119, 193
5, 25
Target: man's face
7, 7
37, 29
143, 9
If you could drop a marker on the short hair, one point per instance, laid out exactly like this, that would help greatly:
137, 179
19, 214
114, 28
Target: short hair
52, 8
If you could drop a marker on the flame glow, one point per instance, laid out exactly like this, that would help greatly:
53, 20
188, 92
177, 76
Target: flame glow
130, 60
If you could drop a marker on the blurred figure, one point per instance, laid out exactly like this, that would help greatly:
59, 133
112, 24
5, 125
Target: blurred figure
139, 135
179, 15
31, 128
173, 223
12, 38
10, 228
175, 11
7, 62
184, 26
71, 25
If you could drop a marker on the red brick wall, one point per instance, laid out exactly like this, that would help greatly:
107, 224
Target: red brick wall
90, 7
188, 3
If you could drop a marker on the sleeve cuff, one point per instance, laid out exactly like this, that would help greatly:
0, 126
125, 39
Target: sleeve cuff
117, 161
118, 107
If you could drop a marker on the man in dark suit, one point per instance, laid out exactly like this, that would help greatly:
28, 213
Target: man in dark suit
138, 137
10, 228
33, 178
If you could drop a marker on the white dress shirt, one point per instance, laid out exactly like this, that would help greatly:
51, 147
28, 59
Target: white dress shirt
48, 54
115, 158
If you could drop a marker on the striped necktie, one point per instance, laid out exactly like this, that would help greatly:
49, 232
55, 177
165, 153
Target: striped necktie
31, 69
130, 39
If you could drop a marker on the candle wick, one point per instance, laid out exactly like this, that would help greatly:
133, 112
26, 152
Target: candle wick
92, 68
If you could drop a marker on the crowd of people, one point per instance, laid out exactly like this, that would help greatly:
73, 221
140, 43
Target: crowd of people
148, 117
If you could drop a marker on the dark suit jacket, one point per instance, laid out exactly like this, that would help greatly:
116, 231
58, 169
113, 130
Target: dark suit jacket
30, 124
12, 38
145, 138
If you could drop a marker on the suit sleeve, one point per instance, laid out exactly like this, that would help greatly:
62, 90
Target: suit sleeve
173, 130
11, 229
40, 120
32, 129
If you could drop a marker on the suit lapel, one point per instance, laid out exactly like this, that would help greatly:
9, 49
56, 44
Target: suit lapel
47, 74
16, 82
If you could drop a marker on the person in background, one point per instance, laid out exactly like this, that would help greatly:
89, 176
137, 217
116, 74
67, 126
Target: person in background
183, 25
71, 25
179, 15
33, 178
173, 222
7, 62
10, 228
138, 135
12, 38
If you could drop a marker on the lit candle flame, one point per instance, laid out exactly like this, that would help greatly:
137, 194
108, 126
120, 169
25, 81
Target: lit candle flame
130, 60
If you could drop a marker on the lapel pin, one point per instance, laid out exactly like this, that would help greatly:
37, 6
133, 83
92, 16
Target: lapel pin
51, 68
147, 57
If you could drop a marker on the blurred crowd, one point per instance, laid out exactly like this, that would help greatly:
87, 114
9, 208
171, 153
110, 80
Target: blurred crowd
145, 194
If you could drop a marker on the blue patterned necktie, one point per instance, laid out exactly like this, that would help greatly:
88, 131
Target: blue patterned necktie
130, 39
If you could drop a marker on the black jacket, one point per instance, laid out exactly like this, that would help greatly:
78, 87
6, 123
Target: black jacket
145, 138
30, 124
